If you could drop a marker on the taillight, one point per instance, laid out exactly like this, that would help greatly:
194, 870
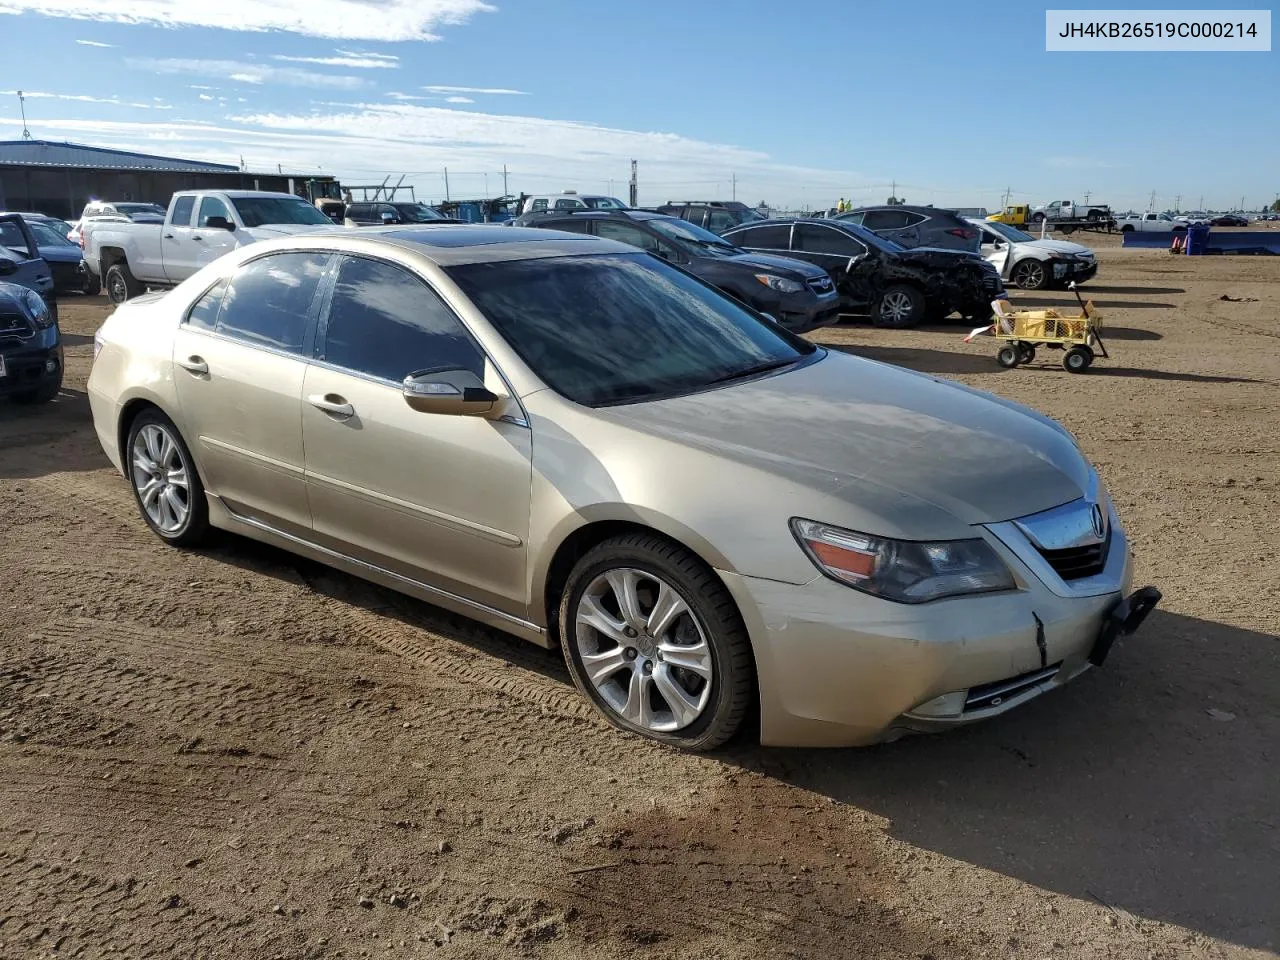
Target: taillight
963, 233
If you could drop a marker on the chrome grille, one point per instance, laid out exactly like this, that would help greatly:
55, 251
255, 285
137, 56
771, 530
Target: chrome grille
1075, 563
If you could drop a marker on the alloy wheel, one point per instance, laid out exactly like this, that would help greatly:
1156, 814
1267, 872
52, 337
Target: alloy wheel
895, 306
160, 478
1032, 275
644, 650
116, 288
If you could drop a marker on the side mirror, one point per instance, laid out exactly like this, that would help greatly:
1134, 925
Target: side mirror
454, 392
853, 262
7, 268
219, 223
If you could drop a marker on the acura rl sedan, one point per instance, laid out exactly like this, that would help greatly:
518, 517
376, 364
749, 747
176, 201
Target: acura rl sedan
581, 444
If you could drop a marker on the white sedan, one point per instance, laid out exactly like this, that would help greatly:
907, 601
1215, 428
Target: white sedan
1032, 264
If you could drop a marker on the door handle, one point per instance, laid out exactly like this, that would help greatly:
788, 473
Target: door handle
332, 404
197, 237
195, 365
168, 236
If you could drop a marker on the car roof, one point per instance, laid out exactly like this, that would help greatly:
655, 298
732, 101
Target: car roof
927, 211
540, 216
487, 242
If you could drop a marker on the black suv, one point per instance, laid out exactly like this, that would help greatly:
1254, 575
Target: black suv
797, 295
714, 215
898, 287
30, 344
368, 214
918, 226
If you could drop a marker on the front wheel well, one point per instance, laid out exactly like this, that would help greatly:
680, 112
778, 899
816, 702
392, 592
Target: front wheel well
108, 257
575, 546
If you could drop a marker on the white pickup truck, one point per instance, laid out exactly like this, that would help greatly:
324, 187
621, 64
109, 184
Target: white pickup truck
1149, 223
200, 226
1070, 210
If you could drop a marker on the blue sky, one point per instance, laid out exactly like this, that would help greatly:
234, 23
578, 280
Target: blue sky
802, 102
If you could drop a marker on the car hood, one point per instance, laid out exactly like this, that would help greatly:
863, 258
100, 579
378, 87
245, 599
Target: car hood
1058, 246
779, 265
286, 229
884, 440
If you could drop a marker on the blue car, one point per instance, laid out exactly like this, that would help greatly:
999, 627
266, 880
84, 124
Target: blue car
64, 257
25, 266
31, 359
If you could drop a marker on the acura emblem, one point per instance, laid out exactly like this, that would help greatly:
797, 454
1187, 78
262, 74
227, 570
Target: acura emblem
1099, 521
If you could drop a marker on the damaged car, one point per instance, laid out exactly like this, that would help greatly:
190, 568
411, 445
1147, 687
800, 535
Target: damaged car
1032, 264
896, 286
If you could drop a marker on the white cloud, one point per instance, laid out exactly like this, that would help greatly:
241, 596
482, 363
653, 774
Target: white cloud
200, 86
458, 100
205, 96
355, 61
82, 98
87, 43
253, 73
388, 20
503, 91
408, 96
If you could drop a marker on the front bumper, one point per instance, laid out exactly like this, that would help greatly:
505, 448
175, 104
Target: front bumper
1064, 271
805, 311
837, 667
30, 364
68, 276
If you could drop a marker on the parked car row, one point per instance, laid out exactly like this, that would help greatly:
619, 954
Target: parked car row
591, 447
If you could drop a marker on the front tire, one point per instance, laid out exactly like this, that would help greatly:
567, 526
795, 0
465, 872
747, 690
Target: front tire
1031, 274
1077, 359
653, 639
1008, 357
122, 285
165, 482
899, 306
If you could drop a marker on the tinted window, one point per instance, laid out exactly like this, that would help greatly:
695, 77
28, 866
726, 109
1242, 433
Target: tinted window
259, 211
885, 219
630, 234
697, 215
540, 204
853, 218
720, 220
569, 204
573, 226
386, 323
203, 314
776, 236
211, 207
814, 238
913, 218
269, 300
622, 328
358, 211
182, 211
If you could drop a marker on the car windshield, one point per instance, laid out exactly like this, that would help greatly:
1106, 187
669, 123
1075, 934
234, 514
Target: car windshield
47, 236
131, 208
682, 231
418, 213
1008, 232
623, 328
604, 203
259, 211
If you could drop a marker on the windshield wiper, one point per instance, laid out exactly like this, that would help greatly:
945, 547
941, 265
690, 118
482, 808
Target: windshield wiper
754, 371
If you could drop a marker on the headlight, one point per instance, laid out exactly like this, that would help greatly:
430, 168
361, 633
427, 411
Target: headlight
37, 309
781, 284
902, 570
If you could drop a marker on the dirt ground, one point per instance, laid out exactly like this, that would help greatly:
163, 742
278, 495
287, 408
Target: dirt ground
235, 753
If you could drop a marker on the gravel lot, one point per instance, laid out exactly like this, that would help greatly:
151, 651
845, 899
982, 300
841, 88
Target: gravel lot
235, 753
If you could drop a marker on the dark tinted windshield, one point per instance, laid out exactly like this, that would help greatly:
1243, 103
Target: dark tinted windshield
260, 211
417, 213
131, 208
1009, 233
623, 328
682, 231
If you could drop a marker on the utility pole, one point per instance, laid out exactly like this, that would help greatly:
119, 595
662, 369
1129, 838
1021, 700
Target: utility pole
1201, 207
486, 186
1087, 195
446, 183
735, 185
505, 192
635, 187
1242, 204
22, 105
1008, 192
1177, 204
1152, 207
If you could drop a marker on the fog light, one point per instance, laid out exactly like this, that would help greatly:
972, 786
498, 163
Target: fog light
51, 365
947, 705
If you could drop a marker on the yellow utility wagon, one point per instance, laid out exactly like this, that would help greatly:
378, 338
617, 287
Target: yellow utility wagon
1024, 330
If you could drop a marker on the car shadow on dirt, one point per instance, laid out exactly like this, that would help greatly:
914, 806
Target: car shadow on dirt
48, 437
1085, 291
1148, 786
1129, 333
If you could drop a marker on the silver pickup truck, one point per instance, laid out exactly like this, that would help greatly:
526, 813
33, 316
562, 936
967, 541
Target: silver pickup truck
200, 226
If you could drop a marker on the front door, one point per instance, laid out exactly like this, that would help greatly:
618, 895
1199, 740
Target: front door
996, 249
211, 242
239, 360
440, 499
840, 255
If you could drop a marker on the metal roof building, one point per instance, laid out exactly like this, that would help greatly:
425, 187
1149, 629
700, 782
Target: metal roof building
60, 178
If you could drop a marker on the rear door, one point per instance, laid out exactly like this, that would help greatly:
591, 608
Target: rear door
442, 500
239, 358
177, 250
837, 253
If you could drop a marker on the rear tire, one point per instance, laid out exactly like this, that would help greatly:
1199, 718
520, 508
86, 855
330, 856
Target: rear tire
122, 285
1077, 359
164, 480
1008, 357
899, 306
690, 681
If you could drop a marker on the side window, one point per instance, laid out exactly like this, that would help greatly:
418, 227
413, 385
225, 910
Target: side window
858, 218
211, 207
384, 322
269, 300
385, 208
720, 220
697, 215
576, 225
539, 205
911, 219
775, 236
814, 238
203, 314
357, 211
182, 211
563, 204
884, 219
627, 233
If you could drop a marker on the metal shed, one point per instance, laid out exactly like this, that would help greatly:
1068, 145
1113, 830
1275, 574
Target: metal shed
60, 178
